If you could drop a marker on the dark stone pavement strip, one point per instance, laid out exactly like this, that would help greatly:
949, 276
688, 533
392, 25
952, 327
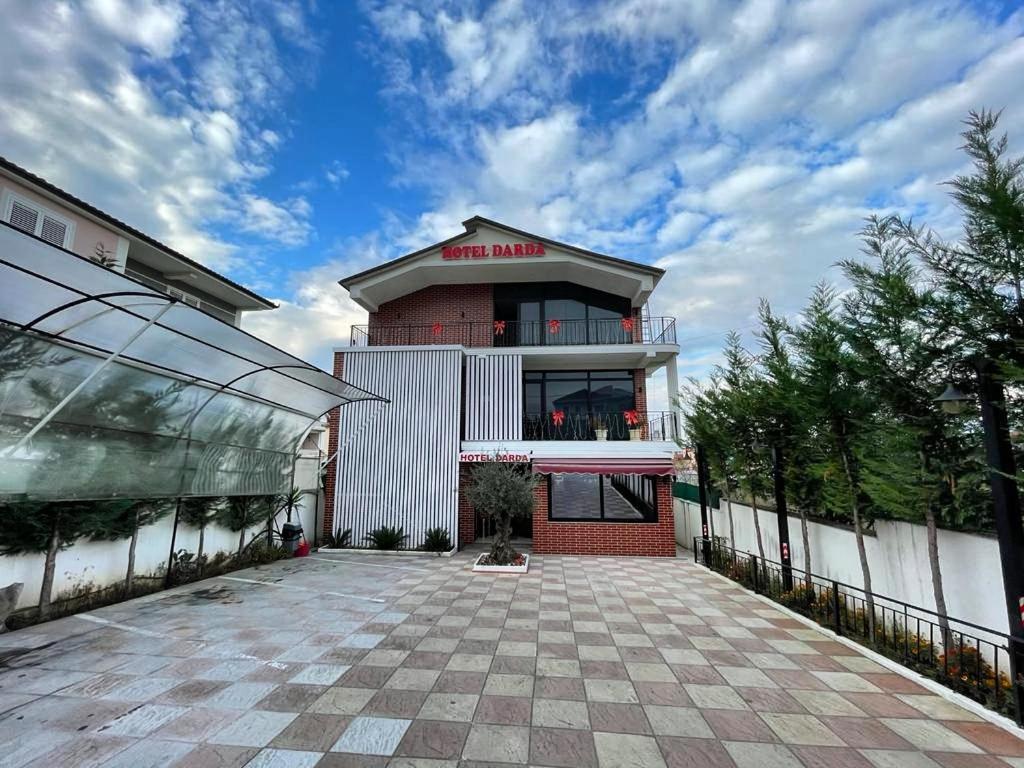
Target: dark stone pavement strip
602, 662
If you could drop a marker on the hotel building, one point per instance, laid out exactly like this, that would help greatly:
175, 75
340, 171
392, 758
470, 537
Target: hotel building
498, 344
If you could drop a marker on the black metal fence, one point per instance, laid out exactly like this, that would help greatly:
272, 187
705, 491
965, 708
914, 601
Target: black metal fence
968, 658
565, 425
512, 333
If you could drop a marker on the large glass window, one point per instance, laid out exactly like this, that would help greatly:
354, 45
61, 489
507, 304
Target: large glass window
560, 314
573, 405
611, 498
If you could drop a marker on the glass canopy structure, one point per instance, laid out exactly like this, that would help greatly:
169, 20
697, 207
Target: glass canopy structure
110, 389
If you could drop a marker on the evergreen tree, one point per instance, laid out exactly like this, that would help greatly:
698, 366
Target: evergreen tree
199, 512
123, 519
900, 336
787, 421
744, 427
47, 528
841, 409
241, 513
706, 426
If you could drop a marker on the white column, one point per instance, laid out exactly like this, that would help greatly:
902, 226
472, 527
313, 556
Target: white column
672, 385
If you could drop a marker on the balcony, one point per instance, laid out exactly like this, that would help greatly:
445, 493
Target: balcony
620, 426
511, 333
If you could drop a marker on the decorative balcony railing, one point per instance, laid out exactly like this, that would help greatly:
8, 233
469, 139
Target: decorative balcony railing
624, 425
512, 333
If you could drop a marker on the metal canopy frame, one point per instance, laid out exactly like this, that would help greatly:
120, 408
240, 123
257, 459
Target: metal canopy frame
111, 389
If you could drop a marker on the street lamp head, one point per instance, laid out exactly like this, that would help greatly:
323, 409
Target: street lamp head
952, 400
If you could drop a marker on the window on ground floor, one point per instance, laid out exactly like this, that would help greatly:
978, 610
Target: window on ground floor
611, 498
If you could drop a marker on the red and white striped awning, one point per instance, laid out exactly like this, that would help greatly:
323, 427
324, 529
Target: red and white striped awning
604, 466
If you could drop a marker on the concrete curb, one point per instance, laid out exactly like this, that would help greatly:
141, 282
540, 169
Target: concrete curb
383, 552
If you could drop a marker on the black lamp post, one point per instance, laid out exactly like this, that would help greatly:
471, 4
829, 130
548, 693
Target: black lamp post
781, 510
1002, 471
782, 515
702, 491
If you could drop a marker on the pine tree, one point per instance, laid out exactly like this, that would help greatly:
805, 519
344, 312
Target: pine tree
47, 528
123, 519
705, 421
841, 411
900, 335
241, 513
787, 420
743, 425
199, 512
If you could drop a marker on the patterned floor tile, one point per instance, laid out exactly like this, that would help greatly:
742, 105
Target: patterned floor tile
627, 751
497, 743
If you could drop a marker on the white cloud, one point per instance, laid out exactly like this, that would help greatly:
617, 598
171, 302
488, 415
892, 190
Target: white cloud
286, 223
154, 111
335, 173
743, 151
680, 227
315, 314
152, 25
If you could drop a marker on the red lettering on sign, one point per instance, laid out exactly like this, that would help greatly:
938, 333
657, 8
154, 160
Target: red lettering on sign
496, 251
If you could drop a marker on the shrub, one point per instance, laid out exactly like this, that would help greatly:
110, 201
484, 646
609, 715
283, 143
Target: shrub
259, 552
339, 540
387, 537
437, 540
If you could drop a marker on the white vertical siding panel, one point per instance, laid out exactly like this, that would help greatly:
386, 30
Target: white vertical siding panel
402, 469
494, 397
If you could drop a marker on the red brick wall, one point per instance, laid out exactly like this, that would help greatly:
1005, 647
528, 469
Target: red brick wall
574, 538
465, 313
467, 517
331, 469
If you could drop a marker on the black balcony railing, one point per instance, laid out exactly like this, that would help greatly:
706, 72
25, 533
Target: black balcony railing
966, 657
563, 425
511, 333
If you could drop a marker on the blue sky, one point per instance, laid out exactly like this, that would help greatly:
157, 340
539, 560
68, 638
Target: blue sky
287, 144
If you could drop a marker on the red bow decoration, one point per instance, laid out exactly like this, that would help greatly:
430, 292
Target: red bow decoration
627, 324
557, 418
437, 329
499, 327
554, 326
632, 418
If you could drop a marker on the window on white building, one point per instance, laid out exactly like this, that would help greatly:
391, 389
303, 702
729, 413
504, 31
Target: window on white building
39, 221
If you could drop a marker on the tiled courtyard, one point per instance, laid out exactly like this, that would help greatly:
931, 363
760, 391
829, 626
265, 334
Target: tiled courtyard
413, 663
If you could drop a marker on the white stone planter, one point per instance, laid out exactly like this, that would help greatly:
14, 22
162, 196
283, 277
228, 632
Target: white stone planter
601, 434
637, 433
477, 568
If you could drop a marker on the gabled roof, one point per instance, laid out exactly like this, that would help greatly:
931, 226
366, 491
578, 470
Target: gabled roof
471, 226
67, 197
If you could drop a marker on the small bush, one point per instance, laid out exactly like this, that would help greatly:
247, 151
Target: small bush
387, 537
185, 567
260, 552
437, 540
339, 540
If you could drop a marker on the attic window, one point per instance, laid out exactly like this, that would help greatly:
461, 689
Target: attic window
36, 220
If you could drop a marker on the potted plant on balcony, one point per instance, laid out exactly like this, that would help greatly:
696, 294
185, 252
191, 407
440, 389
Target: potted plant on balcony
633, 422
600, 428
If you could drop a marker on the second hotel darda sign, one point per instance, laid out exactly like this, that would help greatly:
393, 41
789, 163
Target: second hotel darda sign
494, 251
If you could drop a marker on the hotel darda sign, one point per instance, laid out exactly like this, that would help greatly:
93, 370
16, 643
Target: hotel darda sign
493, 251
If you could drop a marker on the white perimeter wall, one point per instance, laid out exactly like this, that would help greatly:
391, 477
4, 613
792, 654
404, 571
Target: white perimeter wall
92, 565
897, 556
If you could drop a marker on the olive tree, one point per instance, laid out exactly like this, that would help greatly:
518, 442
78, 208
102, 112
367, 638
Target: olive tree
501, 492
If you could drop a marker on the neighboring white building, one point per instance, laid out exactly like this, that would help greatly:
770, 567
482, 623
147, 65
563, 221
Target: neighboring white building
34, 205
